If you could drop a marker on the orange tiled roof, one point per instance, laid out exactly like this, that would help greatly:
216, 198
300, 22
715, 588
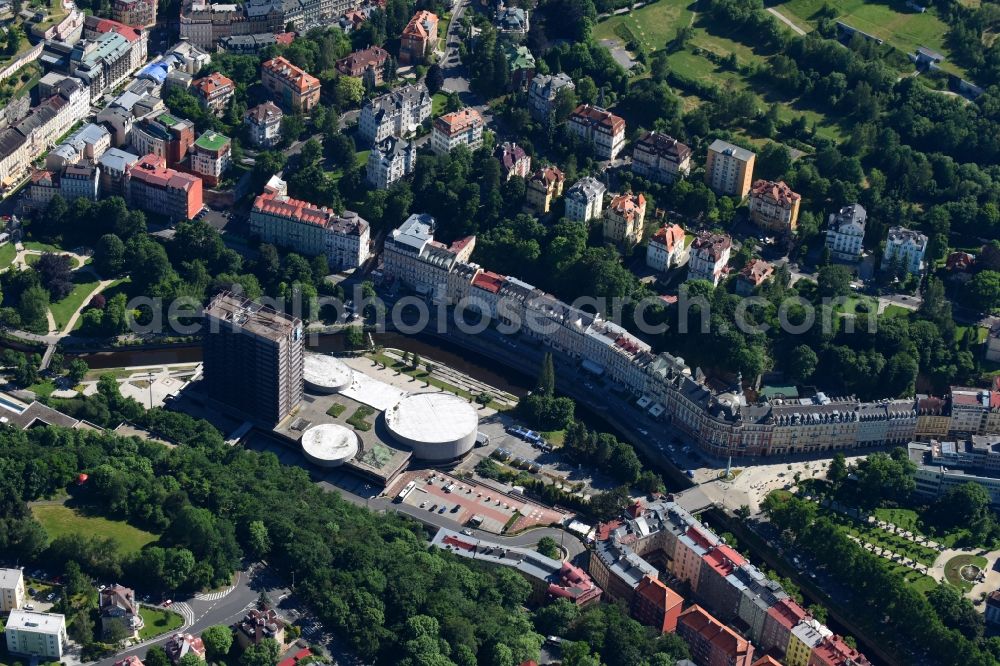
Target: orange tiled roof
298, 77
775, 191
668, 236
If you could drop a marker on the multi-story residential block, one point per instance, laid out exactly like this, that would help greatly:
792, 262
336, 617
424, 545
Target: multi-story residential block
753, 275
512, 21
204, 24
544, 185
941, 466
415, 259
248, 44
397, 113
711, 642
774, 206
211, 157
781, 618
25, 141
253, 363
624, 218
708, 257
259, 624
666, 248
366, 64
43, 185
390, 160
117, 606
80, 181
833, 651
660, 158
294, 88
904, 249
214, 91
136, 13
543, 91
656, 605
602, 129
154, 188
11, 590
182, 644
102, 63
114, 164
846, 232
729, 169
164, 135
806, 636
419, 38
312, 230
461, 128
585, 200
137, 38
264, 124
36, 634
513, 160
89, 142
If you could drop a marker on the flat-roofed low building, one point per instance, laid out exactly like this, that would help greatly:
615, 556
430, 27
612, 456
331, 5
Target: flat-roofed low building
660, 157
461, 128
36, 634
11, 589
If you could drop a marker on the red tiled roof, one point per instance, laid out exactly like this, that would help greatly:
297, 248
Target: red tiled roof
777, 192
657, 593
766, 660
668, 236
284, 38
548, 175
756, 271
212, 83
722, 637
833, 651
593, 115
302, 211
604, 530
723, 559
459, 121
298, 77
153, 171
628, 205
128, 32
415, 28
787, 613
488, 281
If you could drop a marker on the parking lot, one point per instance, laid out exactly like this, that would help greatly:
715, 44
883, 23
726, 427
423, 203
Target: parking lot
471, 503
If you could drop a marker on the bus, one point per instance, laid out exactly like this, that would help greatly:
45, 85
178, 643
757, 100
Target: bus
407, 489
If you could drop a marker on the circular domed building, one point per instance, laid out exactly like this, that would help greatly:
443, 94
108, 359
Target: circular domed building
324, 374
329, 444
438, 426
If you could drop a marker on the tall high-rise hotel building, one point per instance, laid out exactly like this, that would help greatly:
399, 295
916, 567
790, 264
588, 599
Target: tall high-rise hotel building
253, 357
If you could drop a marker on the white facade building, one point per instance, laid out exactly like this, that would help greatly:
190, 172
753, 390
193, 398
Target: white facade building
11, 589
397, 113
708, 257
585, 200
666, 248
905, 248
36, 634
390, 160
846, 232
461, 128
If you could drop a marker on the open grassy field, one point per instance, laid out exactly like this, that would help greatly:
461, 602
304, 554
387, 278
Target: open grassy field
61, 520
891, 21
652, 26
63, 310
7, 254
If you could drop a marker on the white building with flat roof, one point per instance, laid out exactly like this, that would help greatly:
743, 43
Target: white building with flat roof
11, 589
36, 634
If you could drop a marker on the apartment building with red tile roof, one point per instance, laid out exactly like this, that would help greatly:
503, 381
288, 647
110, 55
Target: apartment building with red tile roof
602, 129
833, 651
214, 91
463, 127
624, 218
154, 188
543, 186
781, 619
665, 248
711, 642
754, 274
418, 38
767, 660
774, 206
656, 605
294, 88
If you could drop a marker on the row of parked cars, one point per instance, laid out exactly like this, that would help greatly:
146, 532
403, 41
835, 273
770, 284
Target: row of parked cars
530, 436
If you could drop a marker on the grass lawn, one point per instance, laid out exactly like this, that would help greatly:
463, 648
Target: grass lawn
896, 311
953, 567
892, 21
905, 518
555, 438
879, 537
41, 247
438, 103
652, 26
357, 419
336, 409
360, 158
63, 310
156, 621
7, 254
43, 388
60, 520
423, 376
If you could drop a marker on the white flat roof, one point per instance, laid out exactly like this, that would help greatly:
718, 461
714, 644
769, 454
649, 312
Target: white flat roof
432, 417
327, 371
36, 621
372, 392
9, 578
329, 441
